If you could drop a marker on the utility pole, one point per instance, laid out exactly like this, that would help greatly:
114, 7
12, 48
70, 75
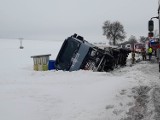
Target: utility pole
150, 35
20, 39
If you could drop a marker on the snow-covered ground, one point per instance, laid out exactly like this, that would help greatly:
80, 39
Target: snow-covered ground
80, 95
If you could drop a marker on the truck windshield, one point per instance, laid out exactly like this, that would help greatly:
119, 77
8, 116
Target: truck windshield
67, 52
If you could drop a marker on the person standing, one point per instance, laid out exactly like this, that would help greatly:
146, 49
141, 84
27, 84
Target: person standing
133, 57
143, 54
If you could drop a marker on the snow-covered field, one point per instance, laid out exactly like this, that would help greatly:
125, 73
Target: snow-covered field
80, 95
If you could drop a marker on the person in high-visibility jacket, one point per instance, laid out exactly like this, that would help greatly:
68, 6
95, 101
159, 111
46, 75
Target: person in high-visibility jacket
150, 53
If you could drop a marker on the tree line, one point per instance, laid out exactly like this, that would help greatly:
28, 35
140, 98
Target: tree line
114, 31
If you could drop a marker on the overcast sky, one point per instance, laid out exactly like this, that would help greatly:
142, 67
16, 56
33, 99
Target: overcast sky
58, 19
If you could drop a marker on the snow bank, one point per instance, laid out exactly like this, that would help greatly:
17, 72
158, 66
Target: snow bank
58, 95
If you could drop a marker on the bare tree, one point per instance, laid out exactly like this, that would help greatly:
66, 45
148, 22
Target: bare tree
142, 39
132, 40
114, 31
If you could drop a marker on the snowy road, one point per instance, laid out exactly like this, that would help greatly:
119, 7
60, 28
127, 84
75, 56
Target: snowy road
146, 94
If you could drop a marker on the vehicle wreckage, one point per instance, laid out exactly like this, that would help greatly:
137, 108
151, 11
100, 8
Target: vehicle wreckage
76, 53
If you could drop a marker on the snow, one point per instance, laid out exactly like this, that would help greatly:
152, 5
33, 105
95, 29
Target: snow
26, 94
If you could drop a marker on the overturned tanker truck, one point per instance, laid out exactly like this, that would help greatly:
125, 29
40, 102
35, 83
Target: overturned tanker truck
76, 53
